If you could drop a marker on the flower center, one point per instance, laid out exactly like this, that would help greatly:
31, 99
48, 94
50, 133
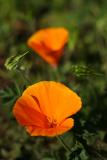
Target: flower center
51, 122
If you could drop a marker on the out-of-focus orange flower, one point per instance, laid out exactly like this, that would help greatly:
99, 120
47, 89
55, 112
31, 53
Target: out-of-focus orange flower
45, 107
49, 43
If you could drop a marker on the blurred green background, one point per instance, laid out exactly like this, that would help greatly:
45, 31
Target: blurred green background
83, 68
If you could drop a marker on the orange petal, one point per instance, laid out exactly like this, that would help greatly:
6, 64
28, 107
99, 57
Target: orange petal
49, 56
27, 112
65, 126
52, 38
56, 100
49, 43
36, 43
56, 38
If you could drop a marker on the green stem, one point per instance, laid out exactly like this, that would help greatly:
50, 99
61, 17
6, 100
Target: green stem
57, 74
25, 78
64, 144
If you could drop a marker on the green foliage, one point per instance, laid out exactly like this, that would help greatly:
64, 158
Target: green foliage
14, 62
80, 71
10, 94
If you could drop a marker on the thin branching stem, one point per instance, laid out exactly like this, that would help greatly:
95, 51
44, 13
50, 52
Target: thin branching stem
64, 144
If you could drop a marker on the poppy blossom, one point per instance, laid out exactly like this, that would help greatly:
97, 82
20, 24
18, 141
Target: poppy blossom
49, 43
44, 108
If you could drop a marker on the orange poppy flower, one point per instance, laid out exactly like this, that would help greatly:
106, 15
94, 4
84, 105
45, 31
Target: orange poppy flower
49, 43
45, 107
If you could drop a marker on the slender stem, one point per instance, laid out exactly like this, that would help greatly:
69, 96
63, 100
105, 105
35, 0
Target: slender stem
64, 144
56, 74
25, 78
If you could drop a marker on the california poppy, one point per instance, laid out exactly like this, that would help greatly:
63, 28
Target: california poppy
49, 43
45, 108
